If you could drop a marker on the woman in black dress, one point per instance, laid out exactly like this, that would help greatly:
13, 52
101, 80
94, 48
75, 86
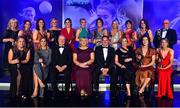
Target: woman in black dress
18, 58
124, 57
9, 38
53, 33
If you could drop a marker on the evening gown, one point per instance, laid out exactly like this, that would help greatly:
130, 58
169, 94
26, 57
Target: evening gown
26, 75
129, 35
53, 34
127, 73
164, 78
8, 45
145, 72
83, 76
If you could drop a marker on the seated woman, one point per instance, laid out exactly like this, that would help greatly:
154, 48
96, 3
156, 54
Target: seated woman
18, 58
146, 58
124, 58
83, 58
165, 70
42, 59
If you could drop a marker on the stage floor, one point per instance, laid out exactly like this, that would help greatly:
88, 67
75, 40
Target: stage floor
103, 100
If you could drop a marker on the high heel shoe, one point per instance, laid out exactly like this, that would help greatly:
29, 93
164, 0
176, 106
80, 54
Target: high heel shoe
34, 95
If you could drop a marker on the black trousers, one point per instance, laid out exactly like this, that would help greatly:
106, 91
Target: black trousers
113, 79
55, 77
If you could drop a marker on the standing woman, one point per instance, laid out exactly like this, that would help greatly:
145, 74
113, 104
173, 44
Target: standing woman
39, 32
53, 33
68, 32
42, 59
165, 70
124, 58
18, 58
115, 34
83, 58
27, 34
99, 32
144, 30
130, 34
146, 58
9, 38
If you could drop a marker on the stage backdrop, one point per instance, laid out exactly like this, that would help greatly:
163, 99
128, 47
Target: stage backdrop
155, 11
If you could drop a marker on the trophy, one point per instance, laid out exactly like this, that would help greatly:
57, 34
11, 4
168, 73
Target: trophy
159, 34
139, 58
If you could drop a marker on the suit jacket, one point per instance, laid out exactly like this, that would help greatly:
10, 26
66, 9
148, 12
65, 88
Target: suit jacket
171, 36
99, 58
62, 59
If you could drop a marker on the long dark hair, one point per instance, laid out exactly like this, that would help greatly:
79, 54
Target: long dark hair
149, 42
145, 22
68, 19
37, 24
25, 21
99, 19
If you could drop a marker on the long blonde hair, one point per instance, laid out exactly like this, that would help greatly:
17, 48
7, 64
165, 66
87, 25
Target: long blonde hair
10, 21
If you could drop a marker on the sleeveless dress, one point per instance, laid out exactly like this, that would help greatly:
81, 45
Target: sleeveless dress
39, 37
130, 35
53, 34
98, 36
164, 77
115, 40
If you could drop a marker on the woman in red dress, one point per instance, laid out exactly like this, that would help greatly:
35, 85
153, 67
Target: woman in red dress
68, 32
166, 57
130, 34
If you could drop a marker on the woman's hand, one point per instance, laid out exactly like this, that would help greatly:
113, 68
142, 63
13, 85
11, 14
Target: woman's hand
40, 60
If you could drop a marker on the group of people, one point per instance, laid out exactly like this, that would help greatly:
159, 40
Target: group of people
33, 56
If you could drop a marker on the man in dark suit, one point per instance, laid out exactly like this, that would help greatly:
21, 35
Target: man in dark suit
61, 64
165, 32
104, 64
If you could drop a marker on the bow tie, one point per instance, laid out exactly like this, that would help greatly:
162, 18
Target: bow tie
61, 46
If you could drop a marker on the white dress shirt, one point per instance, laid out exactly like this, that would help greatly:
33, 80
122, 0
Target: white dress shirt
61, 50
105, 53
164, 33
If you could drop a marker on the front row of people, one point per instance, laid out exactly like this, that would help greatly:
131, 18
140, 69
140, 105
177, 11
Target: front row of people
133, 66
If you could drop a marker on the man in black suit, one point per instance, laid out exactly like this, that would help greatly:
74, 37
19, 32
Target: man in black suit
104, 64
61, 64
165, 32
